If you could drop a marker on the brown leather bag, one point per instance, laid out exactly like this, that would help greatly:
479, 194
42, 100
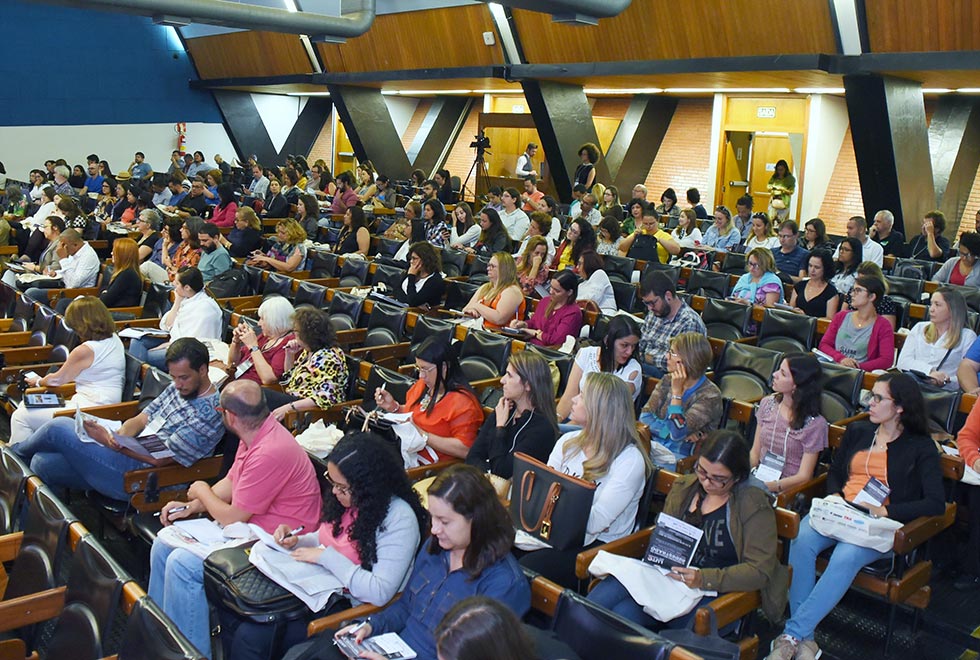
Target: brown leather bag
550, 505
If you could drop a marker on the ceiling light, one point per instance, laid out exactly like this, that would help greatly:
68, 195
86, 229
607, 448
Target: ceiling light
819, 90
424, 92
307, 93
727, 90
291, 6
498, 91
969, 90
625, 91
936, 90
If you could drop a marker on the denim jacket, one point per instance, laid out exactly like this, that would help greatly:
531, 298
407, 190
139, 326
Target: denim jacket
432, 590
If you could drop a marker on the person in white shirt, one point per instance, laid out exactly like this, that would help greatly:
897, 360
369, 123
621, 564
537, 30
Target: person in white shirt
596, 286
514, 219
194, 314
761, 234
525, 162
857, 227
936, 347
259, 185
589, 211
79, 266
541, 225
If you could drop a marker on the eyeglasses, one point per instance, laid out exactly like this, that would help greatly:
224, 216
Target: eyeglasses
340, 488
877, 398
721, 482
421, 370
651, 304
858, 289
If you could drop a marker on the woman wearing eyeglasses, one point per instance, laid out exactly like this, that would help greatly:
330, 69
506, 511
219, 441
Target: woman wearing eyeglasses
962, 270
759, 285
859, 338
500, 300
369, 533
606, 451
893, 448
738, 550
850, 254
443, 405
556, 316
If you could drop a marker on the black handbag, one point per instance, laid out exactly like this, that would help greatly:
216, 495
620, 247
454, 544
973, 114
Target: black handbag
356, 419
710, 647
550, 505
232, 583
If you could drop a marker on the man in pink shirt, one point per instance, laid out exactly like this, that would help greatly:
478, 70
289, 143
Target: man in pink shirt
345, 197
272, 481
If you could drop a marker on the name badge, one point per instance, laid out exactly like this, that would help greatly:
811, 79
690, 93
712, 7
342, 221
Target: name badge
770, 468
873, 494
242, 368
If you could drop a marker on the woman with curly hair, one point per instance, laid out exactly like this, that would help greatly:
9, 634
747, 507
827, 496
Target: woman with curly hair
315, 373
422, 285
287, 253
585, 172
369, 533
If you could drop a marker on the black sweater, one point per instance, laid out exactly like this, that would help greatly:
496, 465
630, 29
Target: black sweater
914, 475
124, 291
494, 448
430, 294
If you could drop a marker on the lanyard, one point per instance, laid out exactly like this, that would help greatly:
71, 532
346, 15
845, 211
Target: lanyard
867, 460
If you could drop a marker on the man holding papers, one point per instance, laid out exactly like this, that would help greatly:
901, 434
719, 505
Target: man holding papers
181, 425
272, 481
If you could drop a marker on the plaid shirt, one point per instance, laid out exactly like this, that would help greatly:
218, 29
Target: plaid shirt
191, 428
657, 333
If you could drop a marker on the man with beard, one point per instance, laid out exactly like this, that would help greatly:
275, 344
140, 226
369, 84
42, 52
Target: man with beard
184, 419
214, 257
667, 317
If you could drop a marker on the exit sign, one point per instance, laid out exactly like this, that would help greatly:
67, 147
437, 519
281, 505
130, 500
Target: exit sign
766, 112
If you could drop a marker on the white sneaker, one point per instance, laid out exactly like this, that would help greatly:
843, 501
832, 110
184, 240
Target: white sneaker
783, 647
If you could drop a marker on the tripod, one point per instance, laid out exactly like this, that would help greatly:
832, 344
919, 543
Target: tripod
482, 182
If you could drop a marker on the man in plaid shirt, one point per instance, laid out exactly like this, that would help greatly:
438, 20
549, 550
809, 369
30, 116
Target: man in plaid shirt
667, 317
185, 417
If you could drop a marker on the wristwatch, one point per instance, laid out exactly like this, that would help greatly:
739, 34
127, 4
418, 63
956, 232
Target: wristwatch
252, 349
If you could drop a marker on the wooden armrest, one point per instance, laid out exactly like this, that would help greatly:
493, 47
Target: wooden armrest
66, 391
135, 311
855, 418
380, 353
27, 355
633, 545
728, 608
335, 621
135, 481
54, 294
120, 411
15, 339
35, 608
334, 413
816, 487
10, 546
545, 595
352, 336
920, 530
425, 471
152, 322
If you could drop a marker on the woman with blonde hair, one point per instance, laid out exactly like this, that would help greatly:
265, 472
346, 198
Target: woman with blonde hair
288, 251
96, 366
762, 233
723, 234
246, 236
500, 300
532, 269
759, 285
610, 204
685, 405
935, 348
607, 450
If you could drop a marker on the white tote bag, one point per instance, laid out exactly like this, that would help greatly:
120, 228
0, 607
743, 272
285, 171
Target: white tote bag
834, 518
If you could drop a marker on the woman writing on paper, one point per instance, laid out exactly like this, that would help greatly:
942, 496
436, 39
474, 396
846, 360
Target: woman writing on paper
738, 549
892, 454
370, 530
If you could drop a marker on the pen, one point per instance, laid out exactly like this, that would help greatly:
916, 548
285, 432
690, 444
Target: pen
294, 532
176, 509
353, 631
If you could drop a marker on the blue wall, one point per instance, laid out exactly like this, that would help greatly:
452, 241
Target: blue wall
69, 66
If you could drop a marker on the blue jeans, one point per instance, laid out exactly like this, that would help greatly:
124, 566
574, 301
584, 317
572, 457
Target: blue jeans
651, 370
177, 585
811, 600
680, 450
611, 594
145, 349
61, 460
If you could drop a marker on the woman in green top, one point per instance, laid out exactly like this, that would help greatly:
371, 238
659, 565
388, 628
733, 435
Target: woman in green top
781, 186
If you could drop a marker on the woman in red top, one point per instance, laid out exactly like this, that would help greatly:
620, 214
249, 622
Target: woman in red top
224, 212
262, 358
443, 405
557, 316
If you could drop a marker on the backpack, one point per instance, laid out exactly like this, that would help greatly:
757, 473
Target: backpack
229, 284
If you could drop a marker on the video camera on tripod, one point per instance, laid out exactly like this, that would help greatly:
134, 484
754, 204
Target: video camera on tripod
481, 143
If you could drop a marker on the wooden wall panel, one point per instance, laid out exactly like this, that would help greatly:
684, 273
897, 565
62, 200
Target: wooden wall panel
667, 29
919, 26
450, 37
240, 54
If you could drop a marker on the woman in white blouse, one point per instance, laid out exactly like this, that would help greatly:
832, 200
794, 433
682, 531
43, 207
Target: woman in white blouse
607, 452
596, 286
686, 233
936, 347
762, 234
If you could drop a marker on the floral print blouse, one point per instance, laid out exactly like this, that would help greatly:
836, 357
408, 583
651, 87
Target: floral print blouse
321, 376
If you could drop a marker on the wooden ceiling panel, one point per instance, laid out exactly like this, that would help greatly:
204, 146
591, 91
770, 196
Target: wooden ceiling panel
715, 80
911, 26
666, 29
248, 54
450, 37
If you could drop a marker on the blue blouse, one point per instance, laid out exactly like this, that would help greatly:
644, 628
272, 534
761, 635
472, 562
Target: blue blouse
756, 291
712, 238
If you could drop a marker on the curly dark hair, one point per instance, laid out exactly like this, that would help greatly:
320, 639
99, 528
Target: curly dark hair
591, 149
313, 328
375, 474
470, 494
586, 238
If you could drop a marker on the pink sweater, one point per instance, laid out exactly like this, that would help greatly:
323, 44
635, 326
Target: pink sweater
881, 344
564, 321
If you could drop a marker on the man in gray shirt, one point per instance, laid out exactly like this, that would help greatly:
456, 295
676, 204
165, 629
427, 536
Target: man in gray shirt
214, 257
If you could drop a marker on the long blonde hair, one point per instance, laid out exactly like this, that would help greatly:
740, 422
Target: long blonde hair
506, 277
957, 318
610, 427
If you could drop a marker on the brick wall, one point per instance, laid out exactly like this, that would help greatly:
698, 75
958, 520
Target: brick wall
421, 110
461, 156
843, 198
323, 145
684, 158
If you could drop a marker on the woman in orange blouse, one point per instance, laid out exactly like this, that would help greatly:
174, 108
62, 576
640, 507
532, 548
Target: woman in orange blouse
188, 252
500, 300
443, 405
